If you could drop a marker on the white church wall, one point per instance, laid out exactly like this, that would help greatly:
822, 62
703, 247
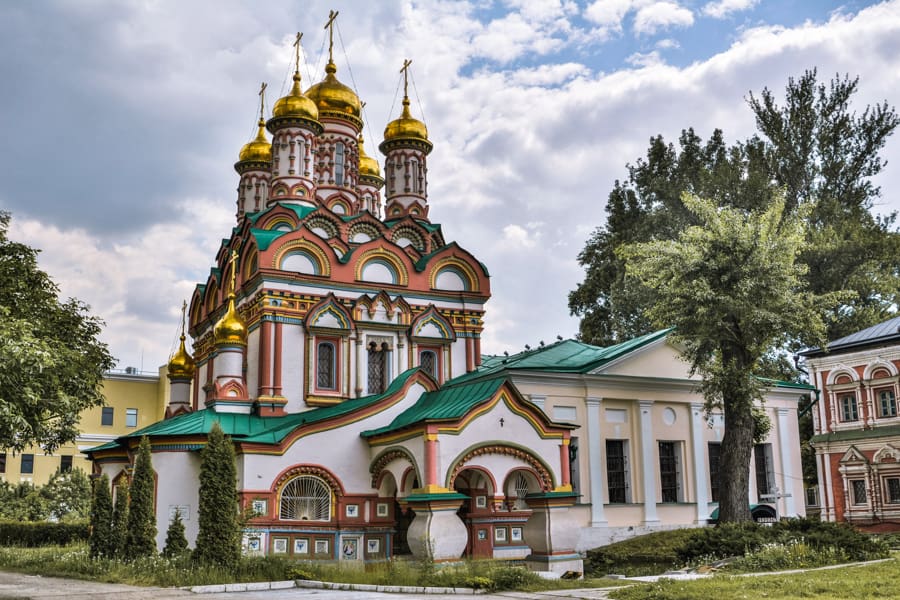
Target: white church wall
253, 348
181, 471
292, 358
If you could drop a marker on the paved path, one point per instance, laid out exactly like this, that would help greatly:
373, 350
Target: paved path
17, 585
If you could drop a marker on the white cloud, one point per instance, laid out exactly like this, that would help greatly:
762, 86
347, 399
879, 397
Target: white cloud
609, 13
661, 15
724, 8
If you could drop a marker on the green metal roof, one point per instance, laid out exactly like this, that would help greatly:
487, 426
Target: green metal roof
254, 428
265, 237
300, 211
566, 356
857, 434
787, 384
448, 403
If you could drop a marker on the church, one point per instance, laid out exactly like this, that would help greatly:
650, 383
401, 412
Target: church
336, 339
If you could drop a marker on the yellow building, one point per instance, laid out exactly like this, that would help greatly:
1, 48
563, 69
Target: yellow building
134, 399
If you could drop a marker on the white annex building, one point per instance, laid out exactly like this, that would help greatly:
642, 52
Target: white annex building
337, 341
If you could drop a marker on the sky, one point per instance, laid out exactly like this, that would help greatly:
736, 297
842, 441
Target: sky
121, 122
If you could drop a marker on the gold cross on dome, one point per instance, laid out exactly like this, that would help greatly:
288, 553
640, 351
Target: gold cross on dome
297, 51
332, 15
183, 311
404, 69
234, 257
262, 98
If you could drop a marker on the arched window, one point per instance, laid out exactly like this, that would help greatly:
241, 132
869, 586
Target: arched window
325, 366
339, 163
301, 156
305, 498
414, 176
428, 361
377, 367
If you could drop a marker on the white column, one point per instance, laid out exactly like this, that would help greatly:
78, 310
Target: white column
700, 490
788, 439
595, 464
648, 461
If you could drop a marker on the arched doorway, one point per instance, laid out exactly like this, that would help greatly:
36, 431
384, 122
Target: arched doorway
476, 512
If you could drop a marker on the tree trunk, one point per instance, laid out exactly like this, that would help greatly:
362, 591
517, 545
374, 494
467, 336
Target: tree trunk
737, 442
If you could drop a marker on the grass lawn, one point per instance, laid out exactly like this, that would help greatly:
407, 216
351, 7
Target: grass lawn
856, 582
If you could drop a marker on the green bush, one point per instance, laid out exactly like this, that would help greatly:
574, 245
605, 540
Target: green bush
723, 541
512, 578
649, 554
853, 544
33, 535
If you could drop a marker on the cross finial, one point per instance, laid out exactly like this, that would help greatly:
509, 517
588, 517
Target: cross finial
183, 311
405, 69
262, 98
234, 256
297, 52
332, 15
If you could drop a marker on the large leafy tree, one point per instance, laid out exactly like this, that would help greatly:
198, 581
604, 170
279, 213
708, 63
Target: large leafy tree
51, 359
733, 288
219, 535
140, 538
815, 148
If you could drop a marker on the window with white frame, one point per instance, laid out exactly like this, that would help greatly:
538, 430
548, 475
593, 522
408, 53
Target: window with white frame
131, 417
339, 163
812, 496
887, 403
892, 490
714, 450
617, 471
849, 408
765, 472
858, 491
670, 471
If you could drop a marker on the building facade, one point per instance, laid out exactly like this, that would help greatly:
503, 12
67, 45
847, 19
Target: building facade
857, 427
134, 399
337, 341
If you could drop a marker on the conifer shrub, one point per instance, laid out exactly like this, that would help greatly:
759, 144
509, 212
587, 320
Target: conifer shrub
101, 540
120, 518
176, 542
219, 536
140, 538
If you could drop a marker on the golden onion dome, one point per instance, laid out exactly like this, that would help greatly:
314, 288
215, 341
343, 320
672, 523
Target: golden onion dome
406, 127
330, 95
230, 329
367, 164
182, 364
295, 104
260, 149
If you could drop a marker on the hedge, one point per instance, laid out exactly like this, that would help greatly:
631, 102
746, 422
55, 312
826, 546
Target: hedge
32, 535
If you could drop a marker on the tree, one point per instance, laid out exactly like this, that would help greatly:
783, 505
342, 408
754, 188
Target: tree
101, 540
68, 495
140, 539
51, 359
120, 518
219, 536
733, 288
815, 148
176, 542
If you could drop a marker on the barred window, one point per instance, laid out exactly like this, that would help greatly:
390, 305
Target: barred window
325, 361
714, 477
428, 362
669, 472
617, 471
377, 367
339, 163
893, 490
305, 498
858, 491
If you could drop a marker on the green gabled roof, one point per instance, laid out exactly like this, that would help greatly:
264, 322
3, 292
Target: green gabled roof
446, 404
566, 356
265, 237
285, 425
427, 225
426, 258
253, 428
107, 446
857, 434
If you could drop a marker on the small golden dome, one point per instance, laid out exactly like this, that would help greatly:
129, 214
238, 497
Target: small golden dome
333, 96
182, 363
295, 104
230, 329
406, 127
367, 164
260, 149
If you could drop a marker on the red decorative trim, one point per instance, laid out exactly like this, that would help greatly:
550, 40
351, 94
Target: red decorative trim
386, 458
543, 475
321, 472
